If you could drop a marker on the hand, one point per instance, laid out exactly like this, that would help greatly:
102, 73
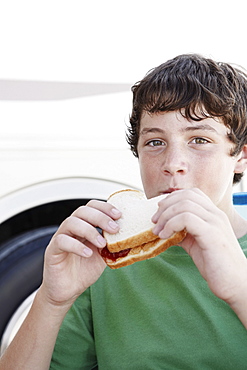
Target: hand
72, 262
210, 241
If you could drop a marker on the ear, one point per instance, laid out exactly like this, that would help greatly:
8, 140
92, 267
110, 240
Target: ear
241, 163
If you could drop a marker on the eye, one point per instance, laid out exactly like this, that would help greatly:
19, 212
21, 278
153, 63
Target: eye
199, 140
155, 143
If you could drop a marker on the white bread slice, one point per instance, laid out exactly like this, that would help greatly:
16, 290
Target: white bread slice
135, 225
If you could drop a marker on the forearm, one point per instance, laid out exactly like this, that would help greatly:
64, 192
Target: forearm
33, 345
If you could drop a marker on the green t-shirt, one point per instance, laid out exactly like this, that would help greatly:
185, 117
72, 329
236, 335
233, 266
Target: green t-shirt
155, 314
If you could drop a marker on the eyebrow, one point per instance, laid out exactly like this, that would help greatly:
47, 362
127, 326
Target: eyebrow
204, 127
148, 130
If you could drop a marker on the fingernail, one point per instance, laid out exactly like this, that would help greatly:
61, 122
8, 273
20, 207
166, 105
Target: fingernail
116, 212
113, 225
101, 241
87, 252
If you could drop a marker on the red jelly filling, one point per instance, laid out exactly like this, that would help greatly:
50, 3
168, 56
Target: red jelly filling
113, 256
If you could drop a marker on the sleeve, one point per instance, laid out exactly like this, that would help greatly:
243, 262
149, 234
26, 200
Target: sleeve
75, 348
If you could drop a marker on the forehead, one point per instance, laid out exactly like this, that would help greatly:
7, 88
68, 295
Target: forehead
175, 122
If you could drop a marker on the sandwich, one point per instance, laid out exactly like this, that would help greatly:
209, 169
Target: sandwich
135, 240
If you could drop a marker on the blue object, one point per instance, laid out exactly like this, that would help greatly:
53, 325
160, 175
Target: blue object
240, 199
240, 203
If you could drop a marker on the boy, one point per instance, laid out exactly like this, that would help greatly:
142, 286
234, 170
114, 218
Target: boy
186, 308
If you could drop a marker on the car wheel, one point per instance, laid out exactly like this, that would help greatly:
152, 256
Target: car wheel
21, 267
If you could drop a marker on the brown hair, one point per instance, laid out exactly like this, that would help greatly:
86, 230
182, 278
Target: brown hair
199, 88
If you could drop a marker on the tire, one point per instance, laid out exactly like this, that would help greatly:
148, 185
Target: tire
21, 269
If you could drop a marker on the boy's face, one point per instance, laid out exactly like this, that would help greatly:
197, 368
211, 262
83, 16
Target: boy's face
175, 153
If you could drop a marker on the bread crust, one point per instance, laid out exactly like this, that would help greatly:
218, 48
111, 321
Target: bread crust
146, 250
140, 193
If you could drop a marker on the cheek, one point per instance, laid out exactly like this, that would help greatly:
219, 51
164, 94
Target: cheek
208, 170
214, 178
148, 171
145, 169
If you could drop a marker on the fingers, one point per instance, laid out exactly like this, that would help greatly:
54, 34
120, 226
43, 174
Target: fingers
99, 214
174, 201
80, 228
105, 207
64, 243
87, 217
181, 222
190, 209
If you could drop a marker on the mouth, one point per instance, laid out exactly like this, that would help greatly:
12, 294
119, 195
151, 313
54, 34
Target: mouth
170, 190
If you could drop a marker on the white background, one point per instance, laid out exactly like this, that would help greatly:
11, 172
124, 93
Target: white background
45, 134
117, 41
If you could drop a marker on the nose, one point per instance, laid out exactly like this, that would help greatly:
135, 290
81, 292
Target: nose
175, 161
